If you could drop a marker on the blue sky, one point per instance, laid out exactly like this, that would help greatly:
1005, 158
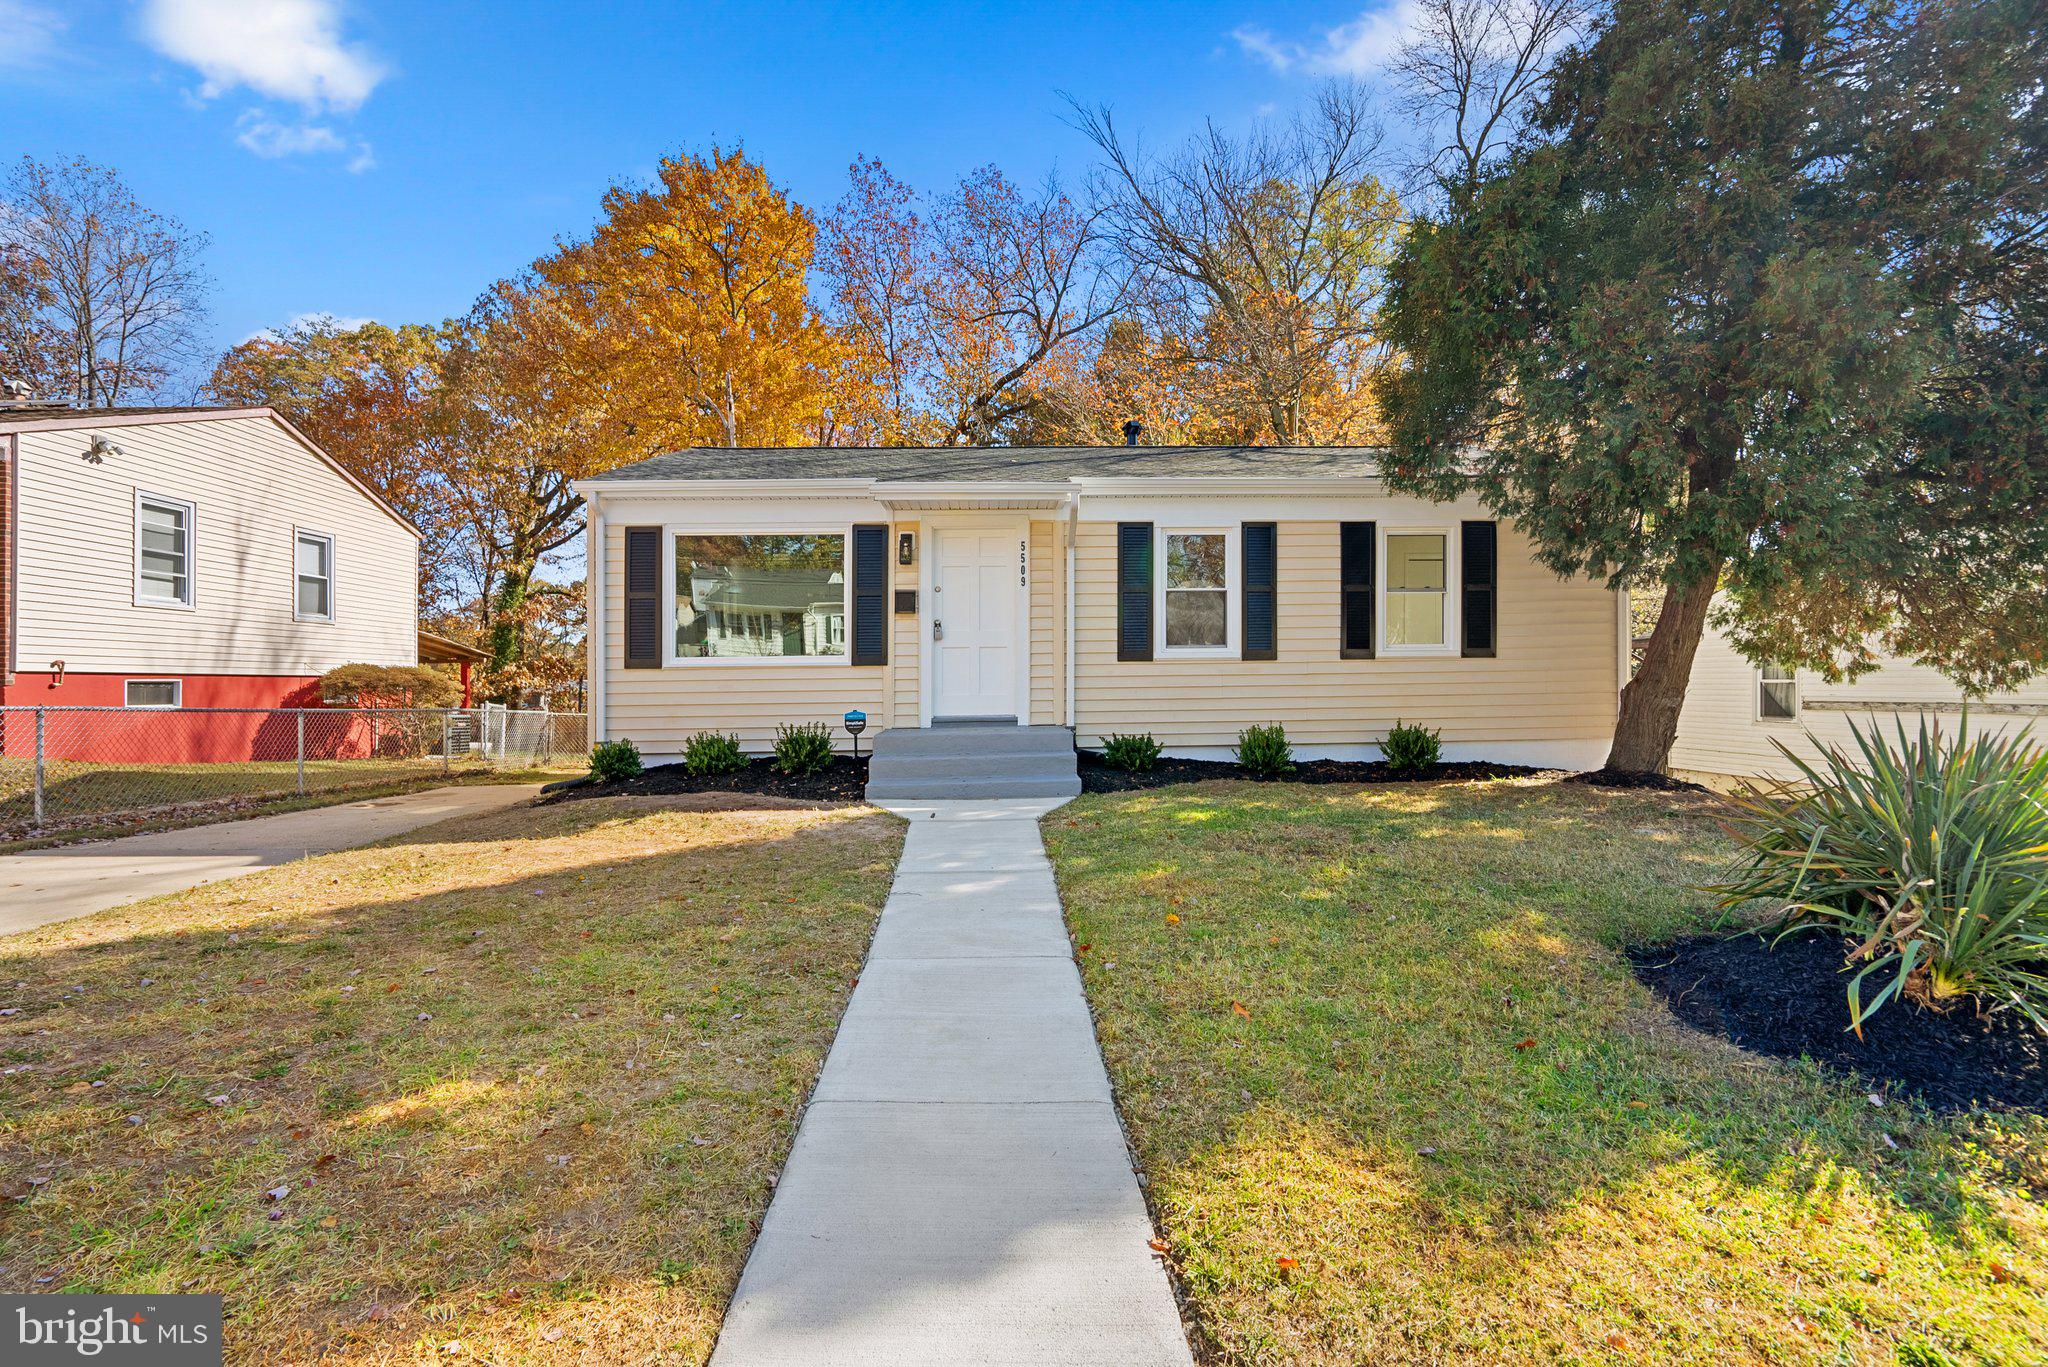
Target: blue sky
390, 160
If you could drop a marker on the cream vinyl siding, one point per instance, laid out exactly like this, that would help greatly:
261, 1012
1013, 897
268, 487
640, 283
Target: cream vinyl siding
905, 645
1554, 678
1720, 734
660, 709
1048, 625
250, 484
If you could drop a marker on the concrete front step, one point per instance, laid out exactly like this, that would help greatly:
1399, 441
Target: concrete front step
910, 789
981, 738
979, 760
1000, 765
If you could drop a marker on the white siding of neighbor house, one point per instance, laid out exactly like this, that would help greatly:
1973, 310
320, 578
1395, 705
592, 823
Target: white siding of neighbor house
1547, 697
251, 483
1720, 735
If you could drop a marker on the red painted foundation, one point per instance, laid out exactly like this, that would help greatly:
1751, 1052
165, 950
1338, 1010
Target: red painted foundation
188, 735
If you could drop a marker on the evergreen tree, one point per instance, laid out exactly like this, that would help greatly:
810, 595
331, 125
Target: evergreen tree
1756, 305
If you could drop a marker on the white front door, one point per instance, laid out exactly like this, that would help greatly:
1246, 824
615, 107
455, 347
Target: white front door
976, 578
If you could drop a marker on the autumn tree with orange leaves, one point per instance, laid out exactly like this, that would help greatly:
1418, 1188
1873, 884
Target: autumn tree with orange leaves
684, 320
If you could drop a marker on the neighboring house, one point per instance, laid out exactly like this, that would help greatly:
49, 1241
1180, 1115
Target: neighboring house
189, 558
1735, 712
1189, 592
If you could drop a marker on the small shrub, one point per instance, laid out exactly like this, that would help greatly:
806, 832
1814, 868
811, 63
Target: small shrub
1930, 856
1134, 754
804, 749
708, 753
612, 760
1264, 751
388, 686
1412, 751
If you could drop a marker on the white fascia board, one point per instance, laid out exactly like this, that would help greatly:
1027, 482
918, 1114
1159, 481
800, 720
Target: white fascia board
1341, 486
599, 486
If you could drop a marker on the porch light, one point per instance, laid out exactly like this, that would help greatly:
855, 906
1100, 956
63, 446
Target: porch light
906, 548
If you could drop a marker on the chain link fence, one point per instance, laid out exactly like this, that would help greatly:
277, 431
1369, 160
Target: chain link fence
70, 766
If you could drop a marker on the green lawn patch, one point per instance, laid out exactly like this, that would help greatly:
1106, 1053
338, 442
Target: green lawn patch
517, 1083
1400, 1099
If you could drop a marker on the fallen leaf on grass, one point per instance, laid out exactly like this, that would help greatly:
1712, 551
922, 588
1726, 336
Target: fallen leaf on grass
1287, 1264
1156, 1245
2001, 1273
1241, 1009
1172, 919
1618, 1342
1528, 1043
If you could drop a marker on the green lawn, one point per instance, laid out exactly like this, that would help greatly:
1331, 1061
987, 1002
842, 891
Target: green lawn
1400, 1100
517, 1083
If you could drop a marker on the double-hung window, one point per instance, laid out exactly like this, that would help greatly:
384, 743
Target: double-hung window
760, 596
1416, 598
313, 568
163, 551
1777, 693
1195, 616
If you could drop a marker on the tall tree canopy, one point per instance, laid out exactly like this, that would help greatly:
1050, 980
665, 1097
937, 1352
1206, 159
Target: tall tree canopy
1259, 263
101, 300
1756, 303
685, 318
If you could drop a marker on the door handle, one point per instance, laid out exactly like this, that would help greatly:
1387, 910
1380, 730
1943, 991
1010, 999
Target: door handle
938, 630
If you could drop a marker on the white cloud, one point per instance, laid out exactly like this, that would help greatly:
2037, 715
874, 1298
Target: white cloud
281, 49
267, 137
1362, 47
28, 34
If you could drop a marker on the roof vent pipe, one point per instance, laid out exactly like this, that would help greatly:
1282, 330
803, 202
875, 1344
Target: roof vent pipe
1132, 431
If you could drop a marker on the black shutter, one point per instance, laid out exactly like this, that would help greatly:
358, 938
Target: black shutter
1134, 590
643, 597
870, 593
1261, 546
1357, 556
1482, 574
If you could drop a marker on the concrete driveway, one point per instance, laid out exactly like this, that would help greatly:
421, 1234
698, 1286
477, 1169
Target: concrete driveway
42, 886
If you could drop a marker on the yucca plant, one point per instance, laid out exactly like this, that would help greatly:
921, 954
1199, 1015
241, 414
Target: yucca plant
1930, 854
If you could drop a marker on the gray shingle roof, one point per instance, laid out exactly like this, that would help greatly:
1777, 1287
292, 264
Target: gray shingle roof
992, 463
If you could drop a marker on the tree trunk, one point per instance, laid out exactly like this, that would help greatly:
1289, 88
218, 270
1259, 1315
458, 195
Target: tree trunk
1648, 723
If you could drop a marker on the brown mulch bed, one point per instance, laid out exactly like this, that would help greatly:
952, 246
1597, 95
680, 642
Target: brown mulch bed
841, 783
1629, 778
1791, 1001
1098, 777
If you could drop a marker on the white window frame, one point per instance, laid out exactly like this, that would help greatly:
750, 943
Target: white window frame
307, 534
1453, 577
671, 660
191, 511
1791, 676
177, 695
1232, 611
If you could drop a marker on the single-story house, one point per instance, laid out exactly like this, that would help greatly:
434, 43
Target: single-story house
1188, 592
1736, 712
184, 558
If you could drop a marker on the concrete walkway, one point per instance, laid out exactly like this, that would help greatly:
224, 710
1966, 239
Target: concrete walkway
42, 886
959, 1191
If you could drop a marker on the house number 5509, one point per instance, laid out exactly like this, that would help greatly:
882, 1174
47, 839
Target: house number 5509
1023, 562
